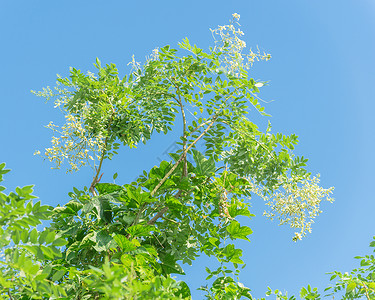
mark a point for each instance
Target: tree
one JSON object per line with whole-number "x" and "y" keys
{"x": 113, "y": 241}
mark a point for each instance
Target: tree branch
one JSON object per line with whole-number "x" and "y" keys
{"x": 10, "y": 295}
{"x": 96, "y": 178}
{"x": 158, "y": 215}
{"x": 256, "y": 141}
{"x": 184, "y": 173}
{"x": 365, "y": 287}
{"x": 165, "y": 209}
{"x": 182, "y": 156}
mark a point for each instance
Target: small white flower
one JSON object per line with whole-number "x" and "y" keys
{"x": 236, "y": 16}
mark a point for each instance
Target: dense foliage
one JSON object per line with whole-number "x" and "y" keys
{"x": 113, "y": 241}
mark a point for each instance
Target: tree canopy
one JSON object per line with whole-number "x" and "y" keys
{"x": 112, "y": 241}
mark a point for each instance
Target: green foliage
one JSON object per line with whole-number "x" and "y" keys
{"x": 358, "y": 284}
{"x": 112, "y": 241}
{"x": 29, "y": 258}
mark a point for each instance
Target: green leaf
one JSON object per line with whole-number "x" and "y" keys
{"x": 203, "y": 167}
{"x": 50, "y": 237}
{"x": 71, "y": 252}
{"x": 103, "y": 241}
{"x": 183, "y": 290}
{"x": 141, "y": 230}
{"x": 124, "y": 243}
{"x": 98, "y": 63}
{"x": 42, "y": 236}
{"x": 101, "y": 206}
{"x": 170, "y": 266}
{"x": 47, "y": 251}
{"x": 74, "y": 205}
{"x": 3, "y": 171}
{"x": 58, "y": 275}
{"x": 107, "y": 188}
{"x": 47, "y": 270}
{"x": 105, "y": 211}
{"x": 350, "y": 287}
{"x": 64, "y": 210}
{"x": 364, "y": 263}
{"x": 238, "y": 232}
{"x": 16, "y": 236}
{"x": 234, "y": 211}
{"x": 24, "y": 236}
{"x": 303, "y": 293}
{"x": 59, "y": 242}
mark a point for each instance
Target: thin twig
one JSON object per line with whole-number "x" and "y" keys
{"x": 169, "y": 220}
{"x": 255, "y": 140}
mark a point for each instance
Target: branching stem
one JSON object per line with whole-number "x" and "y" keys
{"x": 165, "y": 209}
{"x": 96, "y": 178}
{"x": 365, "y": 287}
{"x": 179, "y": 101}
{"x": 256, "y": 141}
{"x": 182, "y": 156}
{"x": 10, "y": 295}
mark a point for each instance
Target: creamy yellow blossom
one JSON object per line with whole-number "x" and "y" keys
{"x": 228, "y": 41}
{"x": 296, "y": 202}
{"x": 236, "y": 16}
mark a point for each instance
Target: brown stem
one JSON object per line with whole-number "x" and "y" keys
{"x": 182, "y": 156}
{"x": 158, "y": 215}
{"x": 165, "y": 209}
{"x": 199, "y": 126}
{"x": 256, "y": 141}
{"x": 96, "y": 178}
{"x": 10, "y": 295}
{"x": 365, "y": 287}
{"x": 184, "y": 173}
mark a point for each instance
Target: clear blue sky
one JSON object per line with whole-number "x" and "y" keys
{"x": 322, "y": 80}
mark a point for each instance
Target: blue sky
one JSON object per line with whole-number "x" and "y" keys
{"x": 322, "y": 82}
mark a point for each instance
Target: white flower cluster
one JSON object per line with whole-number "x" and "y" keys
{"x": 154, "y": 55}
{"x": 74, "y": 141}
{"x": 230, "y": 43}
{"x": 296, "y": 202}
{"x": 73, "y": 145}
